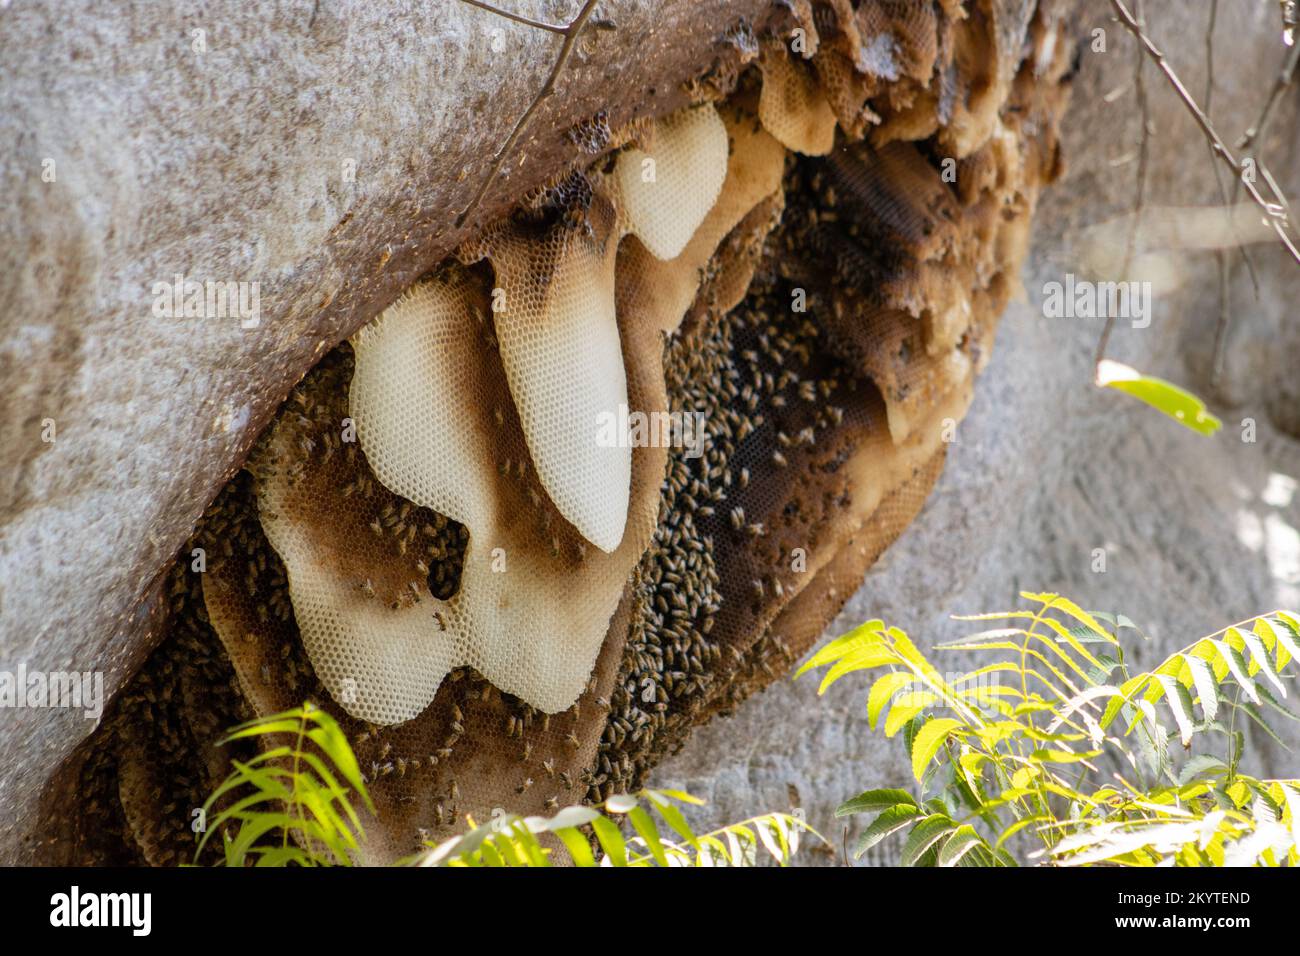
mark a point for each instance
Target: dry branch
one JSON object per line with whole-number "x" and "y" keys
{"x": 1275, "y": 210}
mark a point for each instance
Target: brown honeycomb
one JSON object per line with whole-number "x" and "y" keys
{"x": 825, "y": 319}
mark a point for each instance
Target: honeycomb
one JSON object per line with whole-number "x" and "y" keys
{"x": 503, "y": 611}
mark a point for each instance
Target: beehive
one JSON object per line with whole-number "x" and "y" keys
{"x": 503, "y": 612}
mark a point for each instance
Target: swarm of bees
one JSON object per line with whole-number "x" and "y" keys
{"x": 784, "y": 411}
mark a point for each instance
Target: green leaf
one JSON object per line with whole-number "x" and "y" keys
{"x": 1047, "y": 755}
{"x": 1261, "y": 658}
{"x": 1276, "y": 704}
{"x": 873, "y": 801}
{"x": 681, "y": 796}
{"x": 1119, "y": 621}
{"x": 958, "y": 845}
{"x": 906, "y": 709}
{"x": 1206, "y": 688}
{"x": 290, "y": 795}
{"x": 1086, "y": 635}
{"x": 1291, "y": 795}
{"x": 1288, "y": 633}
{"x": 891, "y": 821}
{"x": 1180, "y": 405}
{"x": 673, "y": 817}
{"x": 1056, "y": 602}
{"x": 883, "y": 691}
{"x": 859, "y": 659}
{"x": 924, "y": 836}
{"x": 611, "y": 840}
{"x": 1024, "y": 776}
{"x": 1201, "y": 765}
{"x": 285, "y": 855}
{"x": 928, "y": 741}
{"x": 1252, "y": 711}
{"x": 578, "y": 846}
{"x": 993, "y": 638}
{"x": 1237, "y": 665}
{"x": 833, "y": 651}
{"x": 1180, "y": 702}
{"x": 1278, "y": 637}
{"x": 773, "y": 840}
{"x": 1126, "y": 691}
{"x": 1021, "y": 824}
{"x": 645, "y": 827}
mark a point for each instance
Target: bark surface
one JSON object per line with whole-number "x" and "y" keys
{"x": 321, "y": 150}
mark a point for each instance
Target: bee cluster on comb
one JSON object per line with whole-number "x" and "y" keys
{"x": 502, "y": 611}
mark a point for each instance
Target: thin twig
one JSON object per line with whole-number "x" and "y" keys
{"x": 518, "y": 18}
{"x": 1256, "y": 134}
{"x": 1284, "y": 79}
{"x": 1278, "y": 195}
{"x": 570, "y": 34}
{"x": 1275, "y": 214}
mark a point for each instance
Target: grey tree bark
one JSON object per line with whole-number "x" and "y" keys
{"x": 1197, "y": 532}
{"x": 322, "y": 150}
